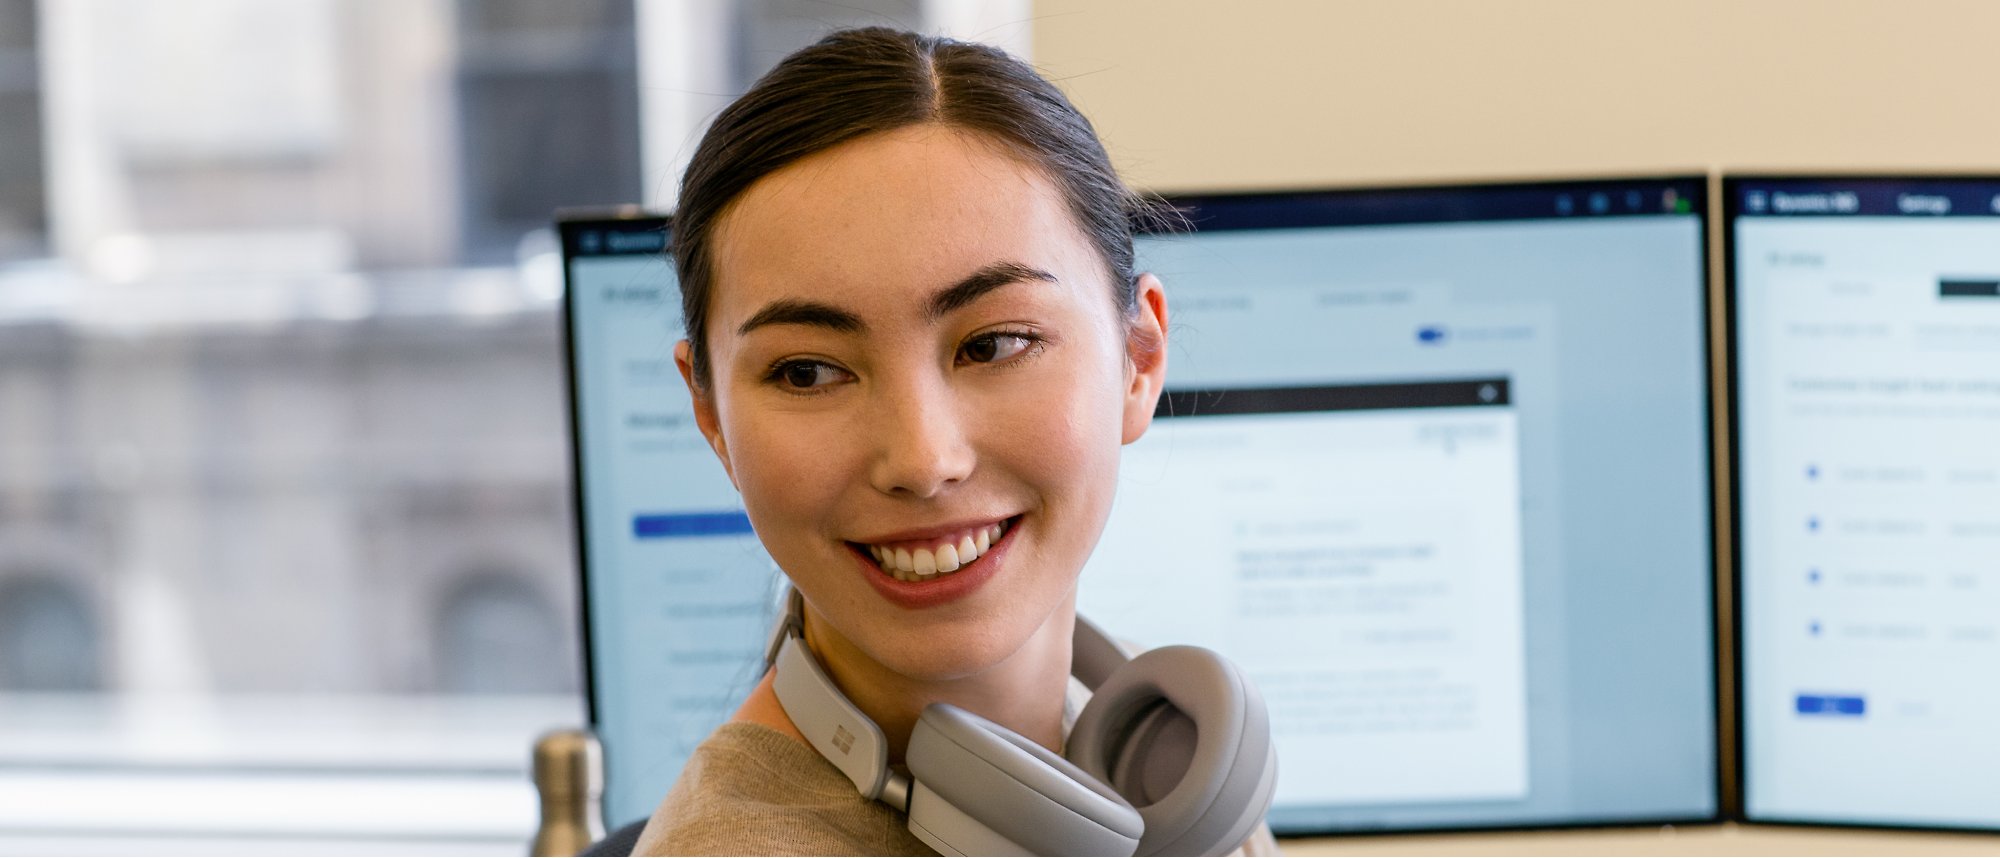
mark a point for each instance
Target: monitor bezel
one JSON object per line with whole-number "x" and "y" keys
{"x": 1298, "y": 202}
{"x": 1730, "y": 208}
{"x": 567, "y": 227}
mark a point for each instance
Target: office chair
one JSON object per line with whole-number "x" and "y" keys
{"x": 618, "y": 843}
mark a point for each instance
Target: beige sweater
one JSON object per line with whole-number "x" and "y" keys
{"x": 750, "y": 790}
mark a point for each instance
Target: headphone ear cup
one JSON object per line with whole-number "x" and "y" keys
{"x": 1184, "y": 736}
{"x": 982, "y": 789}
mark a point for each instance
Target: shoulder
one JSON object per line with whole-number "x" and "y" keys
{"x": 750, "y": 790}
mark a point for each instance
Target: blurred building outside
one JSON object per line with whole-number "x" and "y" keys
{"x": 286, "y": 557}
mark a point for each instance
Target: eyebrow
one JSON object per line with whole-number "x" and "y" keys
{"x": 980, "y": 282}
{"x": 794, "y": 311}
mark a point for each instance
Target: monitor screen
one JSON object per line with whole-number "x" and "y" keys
{"x": 1432, "y": 466}
{"x": 678, "y": 593}
{"x": 1866, "y": 328}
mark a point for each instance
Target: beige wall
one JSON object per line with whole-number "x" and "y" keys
{"x": 1192, "y": 95}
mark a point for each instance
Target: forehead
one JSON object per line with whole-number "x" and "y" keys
{"x": 913, "y": 208}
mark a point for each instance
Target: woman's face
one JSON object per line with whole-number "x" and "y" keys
{"x": 920, "y": 386}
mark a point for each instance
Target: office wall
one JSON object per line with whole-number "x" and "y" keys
{"x": 1252, "y": 93}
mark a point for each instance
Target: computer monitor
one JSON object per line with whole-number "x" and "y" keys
{"x": 1432, "y": 466}
{"x": 1865, "y": 318}
{"x": 1435, "y": 468}
{"x": 677, "y": 592}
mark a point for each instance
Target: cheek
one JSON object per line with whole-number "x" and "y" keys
{"x": 786, "y": 476}
{"x": 1067, "y": 443}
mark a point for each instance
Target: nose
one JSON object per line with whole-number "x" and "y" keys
{"x": 921, "y": 440}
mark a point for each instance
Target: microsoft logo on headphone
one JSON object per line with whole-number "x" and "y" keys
{"x": 842, "y": 739}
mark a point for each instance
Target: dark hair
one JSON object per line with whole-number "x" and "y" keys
{"x": 865, "y": 81}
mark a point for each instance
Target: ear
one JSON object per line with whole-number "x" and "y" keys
{"x": 704, "y": 407}
{"x": 1146, "y": 357}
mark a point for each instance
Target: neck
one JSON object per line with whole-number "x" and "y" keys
{"x": 1023, "y": 692}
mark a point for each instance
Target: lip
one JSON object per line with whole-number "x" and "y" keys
{"x": 932, "y": 533}
{"x": 944, "y": 589}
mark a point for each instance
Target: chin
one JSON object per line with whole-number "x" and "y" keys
{"x": 947, "y": 654}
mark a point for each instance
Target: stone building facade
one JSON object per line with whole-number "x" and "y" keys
{"x": 378, "y": 505}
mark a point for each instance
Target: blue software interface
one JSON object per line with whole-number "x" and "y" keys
{"x": 1433, "y": 466}
{"x": 1867, "y": 333}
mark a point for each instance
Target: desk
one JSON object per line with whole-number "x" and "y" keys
{"x": 1725, "y": 839}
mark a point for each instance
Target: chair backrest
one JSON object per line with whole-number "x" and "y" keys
{"x": 619, "y": 843}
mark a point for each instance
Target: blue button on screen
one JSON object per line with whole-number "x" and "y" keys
{"x": 691, "y": 524}
{"x": 1836, "y": 705}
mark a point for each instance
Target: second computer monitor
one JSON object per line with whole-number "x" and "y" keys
{"x": 1866, "y": 318}
{"x": 1434, "y": 466}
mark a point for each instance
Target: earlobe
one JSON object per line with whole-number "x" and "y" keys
{"x": 1146, "y": 357}
{"x": 705, "y": 417}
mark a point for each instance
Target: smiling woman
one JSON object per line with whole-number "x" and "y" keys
{"x": 916, "y": 343}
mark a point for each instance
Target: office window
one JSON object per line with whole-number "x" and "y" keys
{"x": 285, "y": 537}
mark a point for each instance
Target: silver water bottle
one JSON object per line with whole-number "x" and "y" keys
{"x": 569, "y": 774}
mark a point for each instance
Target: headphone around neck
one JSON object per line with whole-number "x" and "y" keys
{"x": 1172, "y": 756}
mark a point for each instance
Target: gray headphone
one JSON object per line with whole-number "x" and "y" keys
{"x": 1172, "y": 756}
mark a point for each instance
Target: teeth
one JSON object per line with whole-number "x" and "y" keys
{"x": 923, "y": 564}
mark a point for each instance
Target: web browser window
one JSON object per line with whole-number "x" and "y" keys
{"x": 1432, "y": 466}
{"x": 1359, "y": 548}
{"x": 1867, "y": 333}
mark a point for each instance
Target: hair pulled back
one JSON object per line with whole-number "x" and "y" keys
{"x": 866, "y": 81}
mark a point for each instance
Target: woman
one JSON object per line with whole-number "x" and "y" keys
{"x": 916, "y": 343}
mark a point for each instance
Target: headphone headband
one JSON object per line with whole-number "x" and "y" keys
{"x": 791, "y": 623}
{"x": 1183, "y": 734}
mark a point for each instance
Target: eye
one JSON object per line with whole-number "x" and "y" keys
{"x": 995, "y": 347}
{"x": 805, "y": 375}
